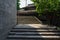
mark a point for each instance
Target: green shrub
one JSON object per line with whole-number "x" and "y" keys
{"x": 18, "y": 4}
{"x": 46, "y": 5}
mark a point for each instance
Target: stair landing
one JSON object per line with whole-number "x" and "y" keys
{"x": 28, "y": 20}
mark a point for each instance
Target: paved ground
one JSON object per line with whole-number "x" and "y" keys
{"x": 28, "y": 20}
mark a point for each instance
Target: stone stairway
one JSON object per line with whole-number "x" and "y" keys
{"x": 29, "y": 32}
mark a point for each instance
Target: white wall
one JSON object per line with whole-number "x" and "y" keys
{"x": 23, "y": 3}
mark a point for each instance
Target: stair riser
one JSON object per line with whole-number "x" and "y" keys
{"x": 35, "y": 31}
{"x": 36, "y": 34}
{"x": 34, "y": 28}
{"x": 33, "y": 38}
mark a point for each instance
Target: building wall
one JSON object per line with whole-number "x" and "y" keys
{"x": 25, "y": 3}
{"x": 7, "y": 16}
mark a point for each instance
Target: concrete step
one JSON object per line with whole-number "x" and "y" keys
{"x": 36, "y": 28}
{"x": 21, "y": 27}
{"x": 36, "y": 39}
{"x": 33, "y": 33}
{"x": 40, "y": 36}
{"x": 31, "y": 37}
{"x": 33, "y": 30}
{"x": 36, "y": 34}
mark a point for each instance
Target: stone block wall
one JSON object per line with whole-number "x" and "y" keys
{"x": 8, "y": 17}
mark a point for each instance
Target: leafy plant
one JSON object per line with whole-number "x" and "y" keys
{"x": 46, "y": 5}
{"x": 18, "y": 4}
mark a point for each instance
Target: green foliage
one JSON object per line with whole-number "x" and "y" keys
{"x": 46, "y": 5}
{"x": 18, "y": 4}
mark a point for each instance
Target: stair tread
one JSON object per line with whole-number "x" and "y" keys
{"x": 34, "y": 36}
{"x": 32, "y": 30}
{"x": 32, "y": 27}
{"x": 34, "y": 33}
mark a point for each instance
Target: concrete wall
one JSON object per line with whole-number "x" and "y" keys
{"x": 7, "y": 16}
